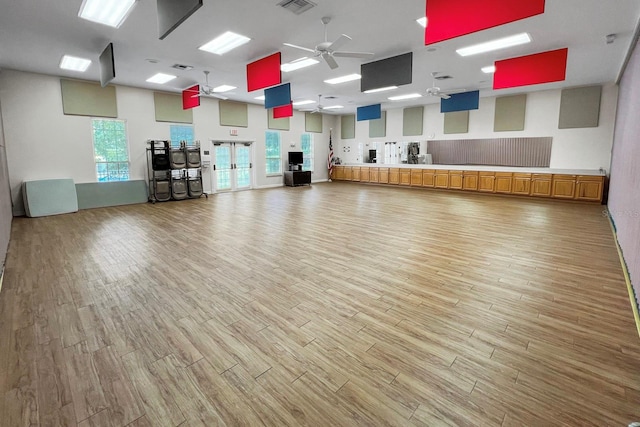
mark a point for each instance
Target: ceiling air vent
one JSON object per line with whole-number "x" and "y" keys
{"x": 443, "y": 77}
{"x": 182, "y": 67}
{"x": 297, "y": 6}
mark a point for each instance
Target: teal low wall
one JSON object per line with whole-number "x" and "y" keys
{"x": 104, "y": 194}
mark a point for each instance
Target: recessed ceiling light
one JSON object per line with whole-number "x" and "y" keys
{"x": 333, "y": 107}
{"x": 381, "y": 89}
{"x": 489, "y": 69}
{"x": 298, "y": 63}
{"x": 106, "y": 12}
{"x": 223, "y": 88}
{"x": 305, "y": 102}
{"x": 402, "y": 97}
{"x": 422, "y": 21}
{"x": 74, "y": 63}
{"x": 344, "y": 79}
{"x": 260, "y": 98}
{"x": 224, "y": 43}
{"x": 161, "y": 78}
{"x": 492, "y": 45}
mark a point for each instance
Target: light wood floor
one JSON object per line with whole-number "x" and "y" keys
{"x": 329, "y": 305}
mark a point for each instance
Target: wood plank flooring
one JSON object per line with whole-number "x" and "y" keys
{"x": 331, "y": 305}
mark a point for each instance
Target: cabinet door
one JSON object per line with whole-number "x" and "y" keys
{"x": 455, "y": 180}
{"x": 348, "y": 173}
{"x": 521, "y": 183}
{"x": 589, "y": 188}
{"x": 394, "y": 176}
{"x": 355, "y": 173}
{"x": 364, "y": 174}
{"x": 383, "y": 176}
{"x": 416, "y": 177}
{"x": 373, "y": 175}
{"x": 339, "y": 173}
{"x": 405, "y": 176}
{"x": 486, "y": 182}
{"x": 503, "y": 182}
{"x": 442, "y": 179}
{"x": 541, "y": 185}
{"x": 470, "y": 181}
{"x": 564, "y": 186}
{"x": 428, "y": 178}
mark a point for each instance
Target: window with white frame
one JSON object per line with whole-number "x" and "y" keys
{"x": 273, "y": 153}
{"x": 180, "y": 133}
{"x": 306, "y": 142}
{"x": 111, "y": 150}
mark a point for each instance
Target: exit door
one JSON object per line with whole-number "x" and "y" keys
{"x": 232, "y": 166}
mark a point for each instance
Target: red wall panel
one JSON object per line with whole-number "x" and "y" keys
{"x": 448, "y": 19}
{"x": 264, "y": 72}
{"x": 189, "y": 100}
{"x": 282, "y": 112}
{"x": 545, "y": 67}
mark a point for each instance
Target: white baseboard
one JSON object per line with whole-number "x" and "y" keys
{"x": 1, "y": 276}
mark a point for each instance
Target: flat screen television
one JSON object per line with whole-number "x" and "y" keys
{"x": 295, "y": 158}
{"x": 107, "y": 65}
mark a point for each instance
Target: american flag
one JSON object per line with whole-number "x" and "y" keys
{"x": 330, "y": 158}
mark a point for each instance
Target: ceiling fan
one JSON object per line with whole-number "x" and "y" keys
{"x": 206, "y": 90}
{"x": 318, "y": 109}
{"x": 329, "y": 50}
{"x": 436, "y": 91}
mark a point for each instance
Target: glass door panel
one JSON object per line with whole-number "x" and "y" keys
{"x": 243, "y": 166}
{"x": 223, "y": 167}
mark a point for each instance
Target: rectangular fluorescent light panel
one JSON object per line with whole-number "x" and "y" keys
{"x": 305, "y": 102}
{"x": 489, "y": 69}
{"x": 225, "y": 43}
{"x": 223, "y": 88}
{"x": 333, "y": 107}
{"x": 402, "y": 97}
{"x": 492, "y": 45}
{"x": 74, "y": 63}
{"x": 259, "y": 98}
{"x": 297, "y": 64}
{"x": 382, "y": 89}
{"x": 344, "y": 79}
{"x": 106, "y": 12}
{"x": 422, "y": 21}
{"x": 161, "y": 78}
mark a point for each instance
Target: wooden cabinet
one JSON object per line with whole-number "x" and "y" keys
{"x": 373, "y": 175}
{"x": 348, "y": 173}
{"x": 503, "y": 182}
{"x": 338, "y": 172}
{"x": 428, "y": 178}
{"x": 564, "y": 186}
{"x": 521, "y": 184}
{"x": 441, "y": 179}
{"x": 541, "y": 185}
{"x": 589, "y": 188}
{"x": 416, "y": 177}
{"x": 355, "y": 173}
{"x": 364, "y": 174}
{"x": 470, "y": 180}
{"x": 487, "y": 181}
{"x": 383, "y": 175}
{"x": 405, "y": 176}
{"x": 394, "y": 176}
{"x": 455, "y": 180}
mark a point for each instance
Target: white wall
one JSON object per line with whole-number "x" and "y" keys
{"x": 43, "y": 143}
{"x": 5, "y": 200}
{"x": 588, "y": 148}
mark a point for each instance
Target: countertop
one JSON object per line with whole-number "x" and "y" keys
{"x": 482, "y": 168}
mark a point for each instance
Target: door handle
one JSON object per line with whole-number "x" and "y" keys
{"x": 214, "y": 167}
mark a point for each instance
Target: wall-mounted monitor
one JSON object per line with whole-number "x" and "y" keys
{"x": 107, "y": 65}
{"x": 394, "y": 71}
{"x": 295, "y": 158}
{"x": 172, "y": 13}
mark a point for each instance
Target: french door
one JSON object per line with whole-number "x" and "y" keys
{"x": 232, "y": 166}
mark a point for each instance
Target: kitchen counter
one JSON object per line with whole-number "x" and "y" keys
{"x": 482, "y": 168}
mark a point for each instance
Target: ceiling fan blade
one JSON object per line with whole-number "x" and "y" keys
{"x": 444, "y": 96}
{"x": 330, "y": 61}
{"x": 363, "y": 55}
{"x": 299, "y": 47}
{"x": 341, "y": 41}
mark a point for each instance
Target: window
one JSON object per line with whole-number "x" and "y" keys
{"x": 306, "y": 142}
{"x": 180, "y": 133}
{"x": 273, "y": 153}
{"x": 110, "y": 149}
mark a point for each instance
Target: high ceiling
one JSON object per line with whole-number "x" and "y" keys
{"x": 34, "y": 35}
